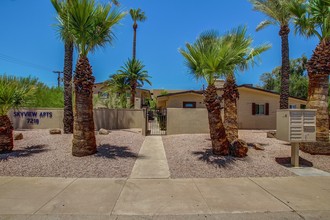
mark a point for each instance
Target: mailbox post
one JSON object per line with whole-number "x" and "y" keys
{"x": 295, "y": 126}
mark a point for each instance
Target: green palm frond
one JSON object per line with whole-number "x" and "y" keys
{"x": 15, "y": 92}
{"x": 137, "y": 15}
{"x": 312, "y": 18}
{"x": 91, "y": 24}
{"x": 62, "y": 7}
{"x": 133, "y": 71}
{"x": 264, "y": 24}
{"x": 276, "y": 10}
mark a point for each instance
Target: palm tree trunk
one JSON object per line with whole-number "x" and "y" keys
{"x": 230, "y": 96}
{"x": 68, "y": 111}
{"x": 133, "y": 91}
{"x": 83, "y": 142}
{"x": 220, "y": 144}
{"x": 134, "y": 39}
{"x": 6, "y": 134}
{"x": 318, "y": 99}
{"x": 318, "y": 71}
{"x": 285, "y": 70}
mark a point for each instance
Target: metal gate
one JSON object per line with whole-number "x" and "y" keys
{"x": 157, "y": 120}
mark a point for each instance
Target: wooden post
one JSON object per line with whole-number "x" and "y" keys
{"x": 295, "y": 154}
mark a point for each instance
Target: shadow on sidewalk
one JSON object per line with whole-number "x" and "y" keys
{"x": 286, "y": 161}
{"x": 25, "y": 152}
{"x": 208, "y": 157}
{"x": 113, "y": 152}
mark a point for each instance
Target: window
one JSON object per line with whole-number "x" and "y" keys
{"x": 292, "y": 106}
{"x": 260, "y": 109}
{"x": 189, "y": 104}
{"x": 302, "y": 106}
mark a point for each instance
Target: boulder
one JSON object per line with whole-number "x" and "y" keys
{"x": 257, "y": 146}
{"x": 238, "y": 148}
{"x": 271, "y": 134}
{"x": 103, "y": 131}
{"x": 55, "y": 131}
{"x": 18, "y": 136}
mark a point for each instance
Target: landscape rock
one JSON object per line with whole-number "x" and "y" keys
{"x": 271, "y": 134}
{"x": 238, "y": 148}
{"x": 103, "y": 131}
{"x": 18, "y": 136}
{"x": 257, "y": 146}
{"x": 55, "y": 131}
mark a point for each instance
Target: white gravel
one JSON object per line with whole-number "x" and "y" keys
{"x": 190, "y": 156}
{"x": 45, "y": 155}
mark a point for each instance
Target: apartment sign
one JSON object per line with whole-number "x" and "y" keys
{"x": 33, "y": 117}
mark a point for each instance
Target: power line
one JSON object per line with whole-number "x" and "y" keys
{"x": 23, "y": 63}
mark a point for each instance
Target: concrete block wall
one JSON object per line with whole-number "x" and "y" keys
{"x": 46, "y": 118}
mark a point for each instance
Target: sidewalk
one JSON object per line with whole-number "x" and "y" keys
{"x": 150, "y": 194}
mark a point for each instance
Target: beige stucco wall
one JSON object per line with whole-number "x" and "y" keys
{"x": 53, "y": 118}
{"x": 248, "y": 121}
{"x": 177, "y": 100}
{"x": 245, "y": 118}
{"x": 187, "y": 121}
{"x": 33, "y": 118}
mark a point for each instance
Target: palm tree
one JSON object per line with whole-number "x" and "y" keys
{"x": 312, "y": 19}
{"x": 134, "y": 74}
{"x": 278, "y": 12}
{"x": 61, "y": 8}
{"x": 117, "y": 84}
{"x": 91, "y": 27}
{"x": 137, "y": 15}
{"x": 207, "y": 59}
{"x": 14, "y": 92}
{"x": 245, "y": 55}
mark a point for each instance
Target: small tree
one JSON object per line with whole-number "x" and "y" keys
{"x": 135, "y": 75}
{"x": 14, "y": 93}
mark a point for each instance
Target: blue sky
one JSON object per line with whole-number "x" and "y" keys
{"x": 29, "y": 39}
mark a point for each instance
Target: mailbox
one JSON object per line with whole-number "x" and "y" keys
{"x": 296, "y": 125}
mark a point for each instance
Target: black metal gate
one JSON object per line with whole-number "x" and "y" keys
{"x": 157, "y": 120}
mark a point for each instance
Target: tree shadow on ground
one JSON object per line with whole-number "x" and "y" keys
{"x": 286, "y": 161}
{"x": 113, "y": 152}
{"x": 220, "y": 161}
{"x": 250, "y": 144}
{"x": 25, "y": 152}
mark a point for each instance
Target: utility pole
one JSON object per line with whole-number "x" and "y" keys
{"x": 58, "y": 77}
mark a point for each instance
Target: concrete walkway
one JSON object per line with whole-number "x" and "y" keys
{"x": 150, "y": 194}
{"x": 237, "y": 198}
{"x": 152, "y": 162}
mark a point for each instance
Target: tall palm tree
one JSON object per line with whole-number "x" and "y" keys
{"x": 90, "y": 25}
{"x": 312, "y": 19}
{"x": 61, "y": 8}
{"x": 117, "y": 84}
{"x": 207, "y": 59}
{"x": 135, "y": 75}
{"x": 14, "y": 92}
{"x": 278, "y": 13}
{"x": 245, "y": 55}
{"x": 136, "y": 15}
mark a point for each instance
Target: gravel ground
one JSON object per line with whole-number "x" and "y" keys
{"x": 190, "y": 156}
{"x": 45, "y": 155}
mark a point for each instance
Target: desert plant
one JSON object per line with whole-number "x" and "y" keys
{"x": 14, "y": 92}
